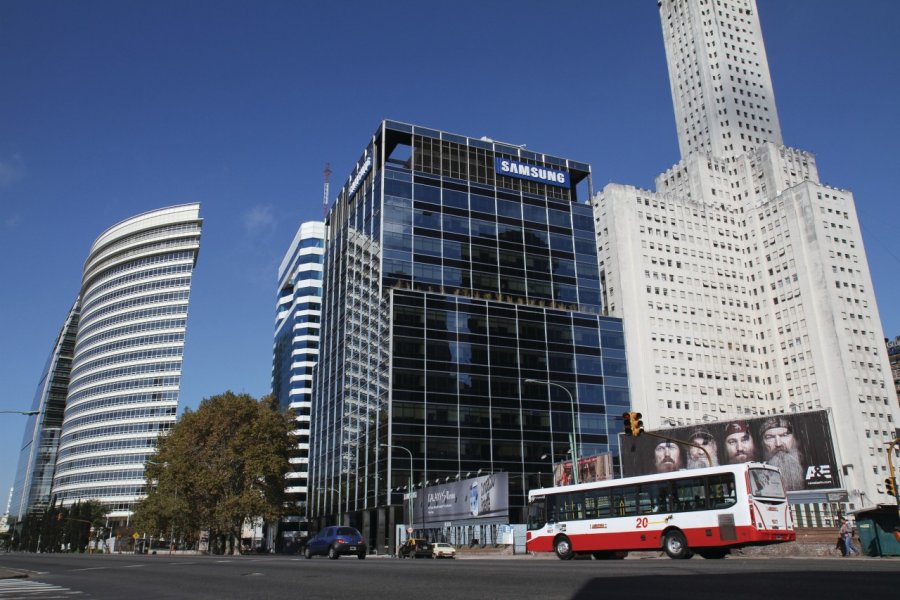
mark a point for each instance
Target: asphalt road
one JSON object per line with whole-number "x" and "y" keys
{"x": 117, "y": 577}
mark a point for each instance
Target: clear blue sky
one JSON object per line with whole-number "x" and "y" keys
{"x": 109, "y": 109}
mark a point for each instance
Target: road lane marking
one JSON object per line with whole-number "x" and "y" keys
{"x": 15, "y": 588}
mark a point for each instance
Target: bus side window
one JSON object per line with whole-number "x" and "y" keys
{"x": 691, "y": 494}
{"x": 721, "y": 490}
{"x": 604, "y": 510}
{"x": 646, "y": 502}
{"x": 629, "y": 501}
{"x": 573, "y": 507}
{"x": 590, "y": 505}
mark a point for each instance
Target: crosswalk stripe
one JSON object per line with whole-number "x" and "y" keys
{"x": 18, "y": 588}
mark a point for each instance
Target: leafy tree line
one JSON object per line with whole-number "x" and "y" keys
{"x": 217, "y": 467}
{"x": 58, "y": 529}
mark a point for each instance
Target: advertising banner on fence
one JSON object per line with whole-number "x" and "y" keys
{"x": 478, "y": 498}
{"x": 799, "y": 444}
{"x": 590, "y": 468}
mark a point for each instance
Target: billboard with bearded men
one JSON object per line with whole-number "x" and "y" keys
{"x": 799, "y": 444}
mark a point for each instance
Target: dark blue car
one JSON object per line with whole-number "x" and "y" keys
{"x": 335, "y": 541}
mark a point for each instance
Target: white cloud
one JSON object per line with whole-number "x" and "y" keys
{"x": 11, "y": 170}
{"x": 259, "y": 218}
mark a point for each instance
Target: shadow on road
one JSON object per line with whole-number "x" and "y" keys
{"x": 795, "y": 585}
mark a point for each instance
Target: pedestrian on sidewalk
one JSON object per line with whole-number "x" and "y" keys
{"x": 847, "y": 537}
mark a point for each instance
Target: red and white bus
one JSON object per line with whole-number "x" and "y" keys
{"x": 707, "y": 511}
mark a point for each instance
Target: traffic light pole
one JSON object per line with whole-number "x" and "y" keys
{"x": 573, "y": 437}
{"x": 90, "y": 531}
{"x": 574, "y": 459}
{"x": 893, "y": 444}
{"x": 409, "y": 490}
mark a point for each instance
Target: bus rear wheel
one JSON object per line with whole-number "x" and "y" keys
{"x": 563, "y": 548}
{"x": 675, "y": 545}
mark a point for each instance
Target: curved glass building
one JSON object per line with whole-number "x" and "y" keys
{"x": 37, "y": 457}
{"x": 126, "y": 369}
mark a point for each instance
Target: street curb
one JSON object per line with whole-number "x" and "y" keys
{"x": 6, "y": 573}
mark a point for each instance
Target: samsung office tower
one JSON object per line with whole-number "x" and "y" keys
{"x": 456, "y": 268}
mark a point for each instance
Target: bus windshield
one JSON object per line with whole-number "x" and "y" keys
{"x": 766, "y": 483}
{"x": 537, "y": 514}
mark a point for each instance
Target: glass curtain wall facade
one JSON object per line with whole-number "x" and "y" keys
{"x": 37, "y": 458}
{"x": 126, "y": 370}
{"x": 447, "y": 283}
{"x": 295, "y": 353}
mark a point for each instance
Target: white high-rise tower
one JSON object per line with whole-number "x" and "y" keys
{"x": 295, "y": 353}
{"x": 719, "y": 75}
{"x": 742, "y": 279}
{"x": 125, "y": 378}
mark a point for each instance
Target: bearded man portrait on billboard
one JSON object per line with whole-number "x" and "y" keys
{"x": 739, "y": 444}
{"x": 697, "y": 458}
{"x": 780, "y": 449}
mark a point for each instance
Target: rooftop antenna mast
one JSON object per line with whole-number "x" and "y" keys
{"x": 327, "y": 175}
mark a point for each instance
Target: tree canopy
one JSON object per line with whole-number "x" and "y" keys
{"x": 218, "y": 466}
{"x": 60, "y": 529}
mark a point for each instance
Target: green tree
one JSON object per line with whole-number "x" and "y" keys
{"x": 72, "y": 525}
{"x": 218, "y": 466}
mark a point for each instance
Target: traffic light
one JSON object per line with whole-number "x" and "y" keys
{"x": 633, "y": 424}
{"x": 637, "y": 426}
{"x": 890, "y": 485}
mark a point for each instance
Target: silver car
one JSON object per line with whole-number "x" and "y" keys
{"x": 442, "y": 550}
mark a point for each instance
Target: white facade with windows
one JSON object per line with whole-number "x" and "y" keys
{"x": 126, "y": 371}
{"x": 742, "y": 279}
{"x": 719, "y": 76}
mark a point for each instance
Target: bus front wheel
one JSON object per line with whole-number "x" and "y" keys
{"x": 563, "y": 548}
{"x": 675, "y": 545}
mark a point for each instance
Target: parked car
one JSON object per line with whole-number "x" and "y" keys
{"x": 416, "y": 548}
{"x": 335, "y": 541}
{"x": 442, "y": 550}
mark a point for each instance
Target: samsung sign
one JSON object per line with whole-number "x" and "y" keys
{"x": 512, "y": 168}
{"x": 360, "y": 175}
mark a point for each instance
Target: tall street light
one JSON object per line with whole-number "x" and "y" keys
{"x": 27, "y": 413}
{"x": 408, "y": 487}
{"x": 572, "y": 436}
{"x": 552, "y": 472}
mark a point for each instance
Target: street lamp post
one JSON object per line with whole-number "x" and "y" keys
{"x": 27, "y": 413}
{"x": 424, "y": 500}
{"x": 573, "y": 436}
{"x": 552, "y": 473}
{"x": 409, "y": 486}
